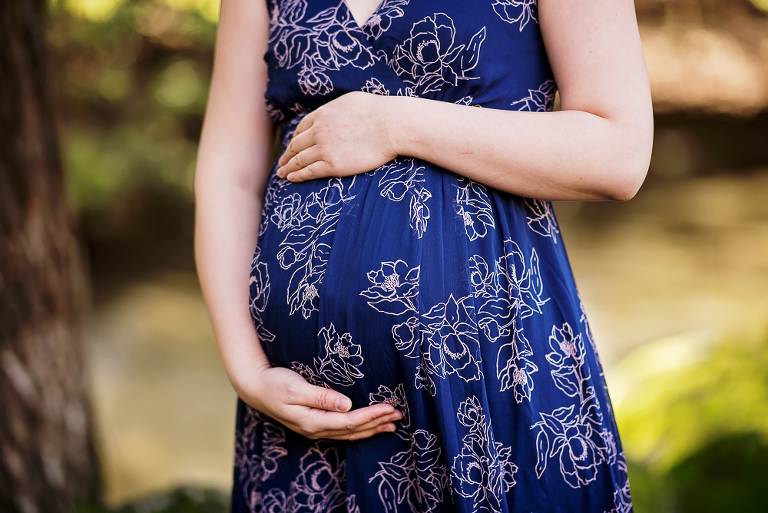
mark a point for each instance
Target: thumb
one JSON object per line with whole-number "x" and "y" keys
{"x": 327, "y": 399}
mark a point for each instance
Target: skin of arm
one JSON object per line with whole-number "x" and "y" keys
{"x": 232, "y": 169}
{"x": 597, "y": 147}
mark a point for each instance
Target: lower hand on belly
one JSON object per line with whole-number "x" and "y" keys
{"x": 313, "y": 411}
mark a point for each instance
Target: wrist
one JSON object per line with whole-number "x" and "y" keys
{"x": 246, "y": 376}
{"x": 395, "y": 117}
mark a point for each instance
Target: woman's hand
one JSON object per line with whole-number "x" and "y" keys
{"x": 312, "y": 411}
{"x": 346, "y": 136}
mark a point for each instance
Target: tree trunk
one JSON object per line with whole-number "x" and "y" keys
{"x": 47, "y": 457}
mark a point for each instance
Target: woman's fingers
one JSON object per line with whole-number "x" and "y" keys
{"x": 351, "y": 421}
{"x": 375, "y": 423}
{"x": 357, "y": 435}
{"x": 309, "y": 157}
{"x": 302, "y": 393}
{"x": 305, "y": 123}
{"x": 298, "y": 143}
{"x": 319, "y": 412}
{"x": 317, "y": 169}
{"x": 316, "y": 423}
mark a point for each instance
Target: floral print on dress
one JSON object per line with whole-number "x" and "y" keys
{"x": 588, "y": 333}
{"x": 573, "y": 434}
{"x": 430, "y": 59}
{"x": 273, "y": 112}
{"x": 416, "y": 477}
{"x": 375, "y": 86}
{"x": 540, "y": 217}
{"x": 396, "y": 398}
{"x": 483, "y": 470}
{"x": 516, "y": 11}
{"x": 622, "y": 499}
{"x": 405, "y": 177}
{"x": 508, "y": 293}
{"x": 319, "y": 487}
{"x": 259, "y": 294}
{"x": 473, "y": 208}
{"x": 339, "y": 361}
{"x": 254, "y": 467}
{"x": 444, "y": 339}
{"x": 272, "y": 194}
{"x": 309, "y": 223}
{"x": 520, "y": 280}
{"x": 381, "y": 19}
{"x": 541, "y": 99}
{"x": 325, "y": 42}
{"x": 394, "y": 288}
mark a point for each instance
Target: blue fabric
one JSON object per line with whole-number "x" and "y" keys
{"x": 412, "y": 285}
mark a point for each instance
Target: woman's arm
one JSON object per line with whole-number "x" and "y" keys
{"x": 232, "y": 169}
{"x": 597, "y": 147}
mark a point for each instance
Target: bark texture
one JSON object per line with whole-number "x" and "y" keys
{"x": 47, "y": 457}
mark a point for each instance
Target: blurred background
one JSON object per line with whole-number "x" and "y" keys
{"x": 675, "y": 282}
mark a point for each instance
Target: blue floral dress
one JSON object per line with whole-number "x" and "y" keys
{"x": 415, "y": 286}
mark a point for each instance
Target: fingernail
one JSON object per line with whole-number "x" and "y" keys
{"x": 343, "y": 404}
{"x": 390, "y": 428}
{"x": 289, "y": 176}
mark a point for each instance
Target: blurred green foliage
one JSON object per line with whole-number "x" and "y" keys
{"x": 132, "y": 79}
{"x": 693, "y": 416}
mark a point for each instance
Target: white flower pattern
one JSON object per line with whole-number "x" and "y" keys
{"x": 509, "y": 292}
{"x": 339, "y": 361}
{"x": 259, "y": 294}
{"x": 309, "y": 223}
{"x": 319, "y": 486}
{"x": 416, "y": 477}
{"x": 323, "y": 43}
{"x": 541, "y": 99}
{"x": 573, "y": 434}
{"x": 256, "y": 466}
{"x": 516, "y": 11}
{"x": 382, "y": 18}
{"x": 540, "y": 217}
{"x": 622, "y": 499}
{"x": 429, "y": 59}
{"x": 444, "y": 339}
{"x": 405, "y": 177}
{"x": 483, "y": 470}
{"x": 473, "y": 208}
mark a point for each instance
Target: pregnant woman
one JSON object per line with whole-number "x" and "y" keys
{"x": 389, "y": 290}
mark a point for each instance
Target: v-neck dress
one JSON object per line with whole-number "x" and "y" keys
{"x": 412, "y": 285}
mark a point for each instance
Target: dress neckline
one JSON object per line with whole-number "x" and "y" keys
{"x": 370, "y": 18}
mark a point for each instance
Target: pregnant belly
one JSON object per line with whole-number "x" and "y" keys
{"x": 319, "y": 242}
{"x": 350, "y": 272}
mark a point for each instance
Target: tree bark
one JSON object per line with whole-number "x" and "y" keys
{"x": 47, "y": 456}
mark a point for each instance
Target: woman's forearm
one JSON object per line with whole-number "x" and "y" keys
{"x": 564, "y": 155}
{"x": 228, "y": 185}
{"x": 226, "y": 229}
{"x": 232, "y": 168}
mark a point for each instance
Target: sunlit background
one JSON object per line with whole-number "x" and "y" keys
{"x": 675, "y": 282}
